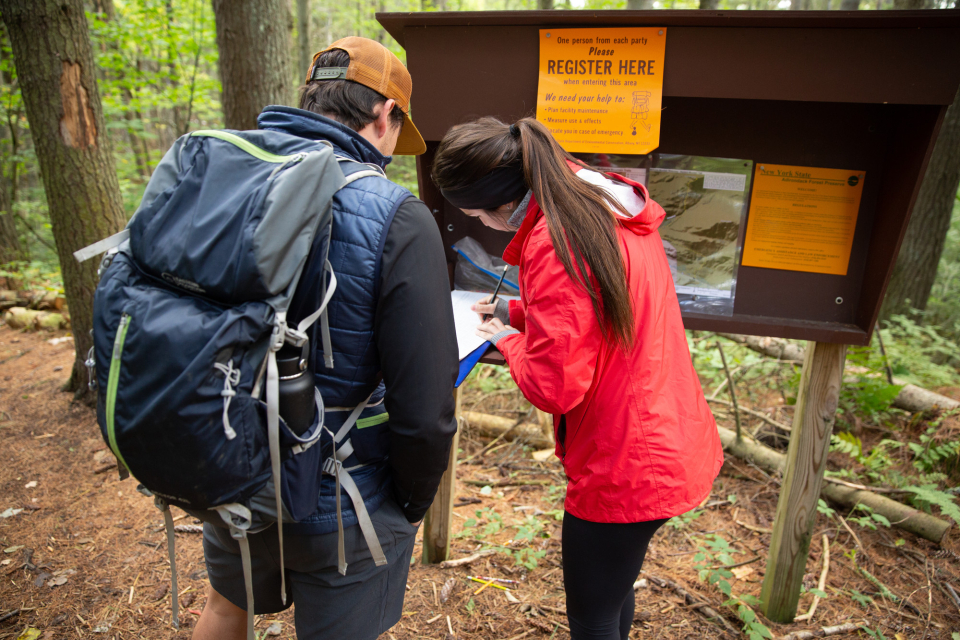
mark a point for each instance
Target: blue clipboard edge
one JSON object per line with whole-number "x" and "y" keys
{"x": 468, "y": 363}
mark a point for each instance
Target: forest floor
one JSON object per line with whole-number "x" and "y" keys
{"x": 86, "y": 556}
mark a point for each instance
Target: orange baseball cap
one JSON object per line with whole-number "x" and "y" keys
{"x": 375, "y": 66}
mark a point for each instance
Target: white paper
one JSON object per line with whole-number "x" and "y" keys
{"x": 467, "y": 319}
{"x": 724, "y": 181}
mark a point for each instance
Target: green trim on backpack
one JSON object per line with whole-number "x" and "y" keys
{"x": 247, "y": 146}
{"x": 373, "y": 421}
{"x": 113, "y": 382}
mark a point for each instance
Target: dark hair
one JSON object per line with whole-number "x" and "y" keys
{"x": 349, "y": 103}
{"x": 578, "y": 213}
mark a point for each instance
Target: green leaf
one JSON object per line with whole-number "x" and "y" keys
{"x": 751, "y": 600}
{"x": 819, "y": 593}
{"x": 746, "y": 614}
{"x": 724, "y": 587}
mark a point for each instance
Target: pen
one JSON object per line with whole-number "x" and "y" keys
{"x": 493, "y": 298}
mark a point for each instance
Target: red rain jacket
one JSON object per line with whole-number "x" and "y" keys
{"x": 640, "y": 442}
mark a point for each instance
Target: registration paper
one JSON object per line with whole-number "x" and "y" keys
{"x": 600, "y": 89}
{"x": 802, "y": 218}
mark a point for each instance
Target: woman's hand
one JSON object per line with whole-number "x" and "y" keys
{"x": 484, "y": 307}
{"x": 491, "y": 328}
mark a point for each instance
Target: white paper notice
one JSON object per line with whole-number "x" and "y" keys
{"x": 724, "y": 181}
{"x": 466, "y": 320}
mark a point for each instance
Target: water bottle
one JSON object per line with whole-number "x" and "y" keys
{"x": 297, "y": 404}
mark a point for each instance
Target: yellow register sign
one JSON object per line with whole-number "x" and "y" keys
{"x": 802, "y": 218}
{"x": 600, "y": 89}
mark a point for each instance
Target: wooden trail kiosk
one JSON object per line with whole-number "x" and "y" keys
{"x": 864, "y": 92}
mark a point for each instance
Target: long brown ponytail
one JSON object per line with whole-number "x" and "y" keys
{"x": 578, "y": 213}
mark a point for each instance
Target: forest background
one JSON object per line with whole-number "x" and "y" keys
{"x": 158, "y": 73}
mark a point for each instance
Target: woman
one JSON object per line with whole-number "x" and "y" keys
{"x": 597, "y": 340}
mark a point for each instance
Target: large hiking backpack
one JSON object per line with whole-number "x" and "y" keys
{"x": 189, "y": 315}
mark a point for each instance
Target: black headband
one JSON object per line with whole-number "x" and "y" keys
{"x": 499, "y": 187}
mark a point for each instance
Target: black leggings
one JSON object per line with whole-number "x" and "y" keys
{"x": 601, "y": 561}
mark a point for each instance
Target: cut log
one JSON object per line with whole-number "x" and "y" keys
{"x": 494, "y": 426}
{"x": 911, "y": 397}
{"x": 899, "y": 514}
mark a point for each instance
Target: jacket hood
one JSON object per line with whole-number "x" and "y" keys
{"x": 312, "y": 126}
{"x": 645, "y": 222}
{"x": 649, "y": 218}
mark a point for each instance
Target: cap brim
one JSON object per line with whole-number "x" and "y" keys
{"x": 410, "y": 142}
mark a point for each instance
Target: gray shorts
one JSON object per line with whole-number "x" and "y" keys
{"x": 360, "y": 605}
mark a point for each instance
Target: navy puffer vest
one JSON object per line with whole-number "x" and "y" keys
{"x": 362, "y": 213}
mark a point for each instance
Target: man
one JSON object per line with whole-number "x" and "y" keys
{"x": 390, "y": 319}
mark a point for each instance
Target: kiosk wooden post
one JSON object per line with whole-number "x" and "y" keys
{"x": 806, "y": 461}
{"x": 436, "y": 523}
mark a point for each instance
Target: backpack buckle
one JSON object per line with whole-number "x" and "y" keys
{"x": 331, "y": 466}
{"x": 295, "y": 337}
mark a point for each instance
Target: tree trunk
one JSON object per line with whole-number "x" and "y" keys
{"x": 303, "y": 37}
{"x": 11, "y": 248}
{"x": 911, "y": 4}
{"x": 639, "y": 5}
{"x": 254, "y": 58}
{"x": 547, "y": 5}
{"x": 849, "y": 5}
{"x": 51, "y": 48}
{"x": 916, "y": 266}
{"x": 710, "y": 5}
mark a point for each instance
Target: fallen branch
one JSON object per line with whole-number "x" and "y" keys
{"x": 900, "y": 515}
{"x": 825, "y": 550}
{"x": 753, "y": 528}
{"x": 911, "y": 397}
{"x": 495, "y": 427}
{"x": 823, "y": 632}
{"x": 508, "y": 483}
{"x": 708, "y": 612}
{"x": 460, "y": 562}
{"x": 730, "y": 386}
{"x": 755, "y": 414}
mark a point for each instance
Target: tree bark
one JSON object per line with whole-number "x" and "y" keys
{"x": 911, "y": 4}
{"x": 51, "y": 48}
{"x": 709, "y": 5}
{"x": 639, "y": 5}
{"x": 253, "y": 41}
{"x": 916, "y": 266}
{"x": 303, "y": 37}
{"x": 547, "y": 5}
{"x": 849, "y": 5}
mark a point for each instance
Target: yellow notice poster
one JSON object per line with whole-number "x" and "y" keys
{"x": 600, "y": 89}
{"x": 802, "y": 218}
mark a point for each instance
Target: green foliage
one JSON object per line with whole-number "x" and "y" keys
{"x": 861, "y": 599}
{"x": 925, "y": 496}
{"x": 933, "y": 453}
{"x": 681, "y": 521}
{"x": 33, "y": 275}
{"x": 877, "y": 634}
{"x": 824, "y": 508}
{"x": 490, "y": 377}
{"x": 711, "y": 562}
{"x": 943, "y": 307}
{"x": 920, "y": 353}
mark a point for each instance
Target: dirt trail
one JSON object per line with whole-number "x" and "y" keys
{"x": 86, "y": 555}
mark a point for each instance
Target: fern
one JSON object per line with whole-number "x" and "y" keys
{"x": 928, "y": 494}
{"x": 846, "y": 442}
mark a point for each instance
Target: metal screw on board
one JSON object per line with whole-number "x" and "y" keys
{"x": 839, "y": 300}
{"x": 449, "y": 227}
{"x": 660, "y": 33}
{"x": 548, "y": 34}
